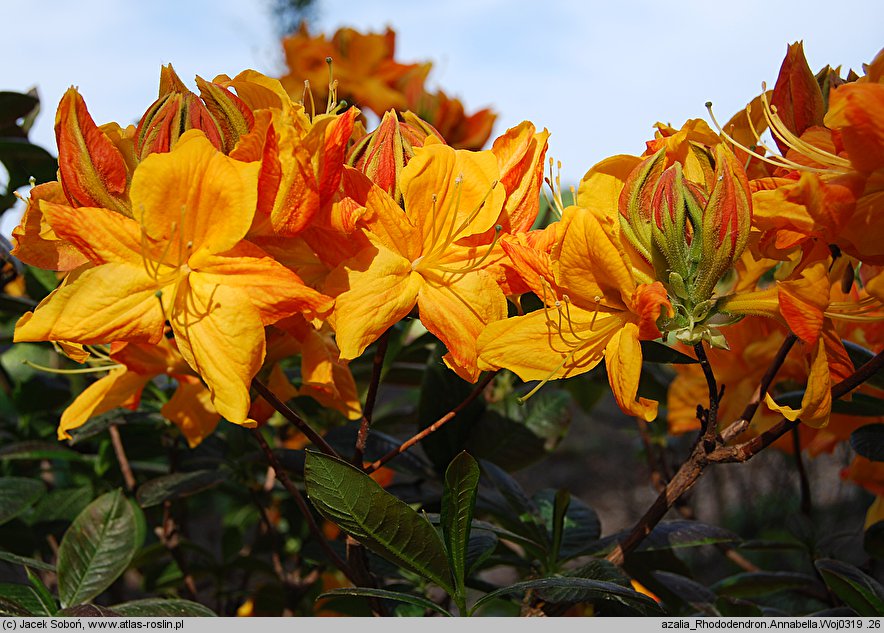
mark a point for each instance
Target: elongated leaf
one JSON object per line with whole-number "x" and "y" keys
{"x": 685, "y": 590}
{"x": 860, "y": 356}
{"x": 398, "y": 596}
{"x": 581, "y": 524}
{"x": 47, "y": 602}
{"x": 481, "y": 546}
{"x": 578, "y": 589}
{"x": 752, "y": 584}
{"x": 158, "y": 607}
{"x": 26, "y": 597}
{"x": 33, "y": 563}
{"x": 668, "y": 535}
{"x": 17, "y": 494}
{"x": 12, "y": 608}
{"x": 502, "y": 496}
{"x": 63, "y": 504}
{"x": 88, "y": 611}
{"x": 860, "y": 592}
{"x": 177, "y": 485}
{"x": 458, "y": 503}
{"x": 96, "y": 549}
{"x": 868, "y": 441}
{"x": 656, "y": 352}
{"x": 860, "y": 404}
{"x": 353, "y": 501}
{"x": 39, "y": 450}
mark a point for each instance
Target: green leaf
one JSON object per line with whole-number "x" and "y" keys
{"x": 96, "y": 549}
{"x": 754, "y": 584}
{"x": 177, "y": 485}
{"x": 441, "y": 391}
{"x": 88, "y": 611}
{"x": 162, "y": 608}
{"x": 398, "y": 596}
{"x": 668, "y": 535}
{"x": 683, "y": 590}
{"x": 33, "y": 563}
{"x": 481, "y": 546}
{"x": 26, "y": 597}
{"x": 458, "y": 503}
{"x": 577, "y": 590}
{"x": 503, "y": 497}
{"x": 656, "y": 352}
{"x": 860, "y": 592}
{"x": 12, "y": 608}
{"x": 581, "y": 524}
{"x": 63, "y": 504}
{"x": 353, "y": 501}
{"x": 860, "y": 404}
{"x": 47, "y": 602}
{"x": 39, "y": 451}
{"x": 17, "y": 494}
{"x": 868, "y": 441}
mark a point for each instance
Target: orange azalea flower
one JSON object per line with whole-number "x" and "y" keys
{"x": 414, "y": 259}
{"x": 190, "y": 408}
{"x": 182, "y": 260}
{"x": 597, "y": 308}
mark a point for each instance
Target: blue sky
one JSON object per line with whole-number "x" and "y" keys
{"x": 597, "y": 75}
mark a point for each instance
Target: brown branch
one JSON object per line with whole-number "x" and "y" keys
{"x": 298, "y": 498}
{"x": 122, "y": 460}
{"x": 709, "y": 419}
{"x": 294, "y": 418}
{"x": 170, "y": 537}
{"x": 370, "y": 396}
{"x": 699, "y": 459}
{"x": 435, "y": 426}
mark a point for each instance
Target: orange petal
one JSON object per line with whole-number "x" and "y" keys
{"x": 119, "y": 388}
{"x": 190, "y": 409}
{"x": 36, "y": 243}
{"x": 623, "y": 360}
{"x": 816, "y": 405}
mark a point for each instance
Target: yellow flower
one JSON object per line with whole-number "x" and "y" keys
{"x": 595, "y": 307}
{"x": 181, "y": 260}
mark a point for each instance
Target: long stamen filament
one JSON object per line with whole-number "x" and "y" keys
{"x": 82, "y": 370}
{"x": 477, "y": 263}
{"x": 524, "y": 399}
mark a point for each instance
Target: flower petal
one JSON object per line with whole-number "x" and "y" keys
{"x": 119, "y": 388}
{"x": 623, "y": 360}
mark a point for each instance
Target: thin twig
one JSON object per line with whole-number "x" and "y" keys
{"x": 120, "y": 452}
{"x": 370, "y": 396}
{"x": 806, "y": 503}
{"x": 170, "y": 537}
{"x": 298, "y": 498}
{"x": 435, "y": 426}
{"x": 709, "y": 421}
{"x": 699, "y": 459}
{"x": 294, "y": 418}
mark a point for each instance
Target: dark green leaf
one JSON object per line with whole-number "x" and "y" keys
{"x": 684, "y": 590}
{"x": 17, "y": 494}
{"x": 47, "y": 602}
{"x": 353, "y": 501}
{"x": 26, "y": 597}
{"x": 860, "y": 404}
{"x": 96, "y": 549}
{"x": 63, "y": 504}
{"x": 508, "y": 443}
{"x": 733, "y": 608}
{"x": 39, "y": 450}
{"x": 669, "y": 535}
{"x": 581, "y": 524}
{"x": 441, "y": 391}
{"x": 177, "y": 485}
{"x": 567, "y": 589}
{"x": 868, "y": 441}
{"x": 33, "y": 563}
{"x": 88, "y": 611}
{"x": 12, "y": 608}
{"x": 860, "y": 592}
{"x": 501, "y": 496}
{"x": 458, "y": 503}
{"x": 481, "y": 546}
{"x": 860, "y": 356}
{"x": 367, "y": 592}
{"x": 162, "y": 608}
{"x": 656, "y": 352}
{"x": 756, "y": 584}
{"x": 15, "y": 106}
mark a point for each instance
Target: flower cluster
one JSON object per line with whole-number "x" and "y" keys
{"x": 235, "y": 227}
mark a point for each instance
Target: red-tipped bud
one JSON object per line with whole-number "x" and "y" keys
{"x": 382, "y": 154}
{"x": 232, "y": 116}
{"x": 176, "y": 111}
{"x": 92, "y": 169}
{"x": 797, "y": 98}
{"x": 635, "y": 202}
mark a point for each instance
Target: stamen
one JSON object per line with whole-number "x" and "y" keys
{"x": 82, "y": 370}
{"x": 332, "y": 88}
{"x": 524, "y": 399}
{"x": 570, "y": 322}
{"x": 477, "y": 263}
